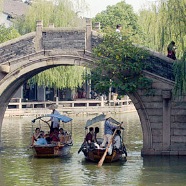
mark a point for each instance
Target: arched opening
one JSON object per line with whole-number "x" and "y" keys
{"x": 22, "y": 72}
{"x": 18, "y": 76}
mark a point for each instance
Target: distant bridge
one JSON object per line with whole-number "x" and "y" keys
{"x": 163, "y": 119}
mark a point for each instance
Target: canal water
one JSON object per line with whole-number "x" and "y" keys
{"x": 19, "y": 168}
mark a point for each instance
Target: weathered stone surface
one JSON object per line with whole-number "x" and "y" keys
{"x": 157, "y": 146}
{"x": 179, "y": 118}
{"x": 157, "y": 138}
{"x": 17, "y": 48}
{"x": 178, "y": 139}
{"x": 152, "y": 105}
{"x": 178, "y": 125}
{"x": 178, "y": 146}
{"x": 157, "y": 132}
{"x": 178, "y": 111}
{"x": 156, "y": 125}
{"x": 151, "y": 98}
{"x": 179, "y": 132}
{"x": 156, "y": 119}
{"x": 154, "y": 112}
{"x": 163, "y": 118}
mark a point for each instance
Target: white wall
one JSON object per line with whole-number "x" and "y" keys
{"x": 3, "y": 20}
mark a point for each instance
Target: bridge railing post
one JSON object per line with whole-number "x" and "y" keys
{"x": 38, "y": 38}
{"x": 20, "y": 104}
{"x": 102, "y": 101}
{"x": 88, "y": 45}
{"x": 57, "y": 100}
{"x": 97, "y": 26}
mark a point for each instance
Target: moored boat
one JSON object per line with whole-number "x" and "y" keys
{"x": 53, "y": 149}
{"x": 94, "y": 152}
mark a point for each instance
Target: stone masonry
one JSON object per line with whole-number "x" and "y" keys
{"x": 162, "y": 116}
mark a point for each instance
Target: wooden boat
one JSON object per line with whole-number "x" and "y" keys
{"x": 94, "y": 153}
{"x": 57, "y": 149}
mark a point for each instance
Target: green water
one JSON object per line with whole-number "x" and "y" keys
{"x": 19, "y": 168}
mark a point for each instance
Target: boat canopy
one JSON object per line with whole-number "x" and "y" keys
{"x": 62, "y": 118}
{"x": 99, "y": 118}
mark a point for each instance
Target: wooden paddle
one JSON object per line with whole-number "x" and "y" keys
{"x": 80, "y": 149}
{"x": 106, "y": 150}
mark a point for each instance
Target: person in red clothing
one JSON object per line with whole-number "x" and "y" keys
{"x": 89, "y": 137}
{"x": 54, "y": 135}
{"x": 171, "y": 50}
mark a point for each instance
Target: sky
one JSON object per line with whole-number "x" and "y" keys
{"x": 97, "y": 6}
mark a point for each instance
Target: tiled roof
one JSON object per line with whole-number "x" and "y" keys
{"x": 15, "y": 8}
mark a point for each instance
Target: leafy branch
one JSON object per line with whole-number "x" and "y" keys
{"x": 120, "y": 65}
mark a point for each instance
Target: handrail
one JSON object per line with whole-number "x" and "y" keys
{"x": 17, "y": 103}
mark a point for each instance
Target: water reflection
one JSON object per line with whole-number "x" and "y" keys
{"x": 19, "y": 168}
{"x": 162, "y": 170}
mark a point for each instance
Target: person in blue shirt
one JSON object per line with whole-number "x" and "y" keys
{"x": 41, "y": 140}
{"x": 108, "y": 132}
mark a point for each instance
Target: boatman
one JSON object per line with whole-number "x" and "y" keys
{"x": 54, "y": 121}
{"x": 108, "y": 132}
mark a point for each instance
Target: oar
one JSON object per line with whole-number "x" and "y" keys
{"x": 105, "y": 153}
{"x": 80, "y": 149}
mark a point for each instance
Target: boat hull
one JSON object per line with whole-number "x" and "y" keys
{"x": 95, "y": 155}
{"x": 51, "y": 150}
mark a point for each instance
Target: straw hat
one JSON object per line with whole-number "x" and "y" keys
{"x": 52, "y": 107}
{"x": 108, "y": 115}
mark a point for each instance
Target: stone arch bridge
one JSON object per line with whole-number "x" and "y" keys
{"x": 163, "y": 119}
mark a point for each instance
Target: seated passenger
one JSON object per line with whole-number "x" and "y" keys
{"x": 61, "y": 132}
{"x": 54, "y": 135}
{"x": 62, "y": 136}
{"x": 35, "y": 135}
{"x": 95, "y": 134}
{"x": 95, "y": 137}
{"x": 117, "y": 140}
{"x": 41, "y": 140}
{"x": 89, "y": 136}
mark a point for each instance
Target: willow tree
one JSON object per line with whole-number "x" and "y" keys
{"x": 7, "y": 33}
{"x": 60, "y": 13}
{"x": 54, "y": 78}
{"x": 162, "y": 23}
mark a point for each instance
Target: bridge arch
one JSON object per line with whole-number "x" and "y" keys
{"x": 162, "y": 117}
{"x": 22, "y": 70}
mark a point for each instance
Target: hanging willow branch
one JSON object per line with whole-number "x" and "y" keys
{"x": 180, "y": 77}
{"x": 61, "y": 77}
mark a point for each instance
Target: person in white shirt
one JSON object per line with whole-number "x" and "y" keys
{"x": 118, "y": 28}
{"x": 117, "y": 140}
{"x": 54, "y": 121}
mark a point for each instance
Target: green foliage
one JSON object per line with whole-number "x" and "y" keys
{"x": 7, "y": 33}
{"x": 121, "y": 13}
{"x": 120, "y": 65}
{"x": 163, "y": 22}
{"x": 180, "y": 77}
{"x": 61, "y": 77}
{"x": 60, "y": 14}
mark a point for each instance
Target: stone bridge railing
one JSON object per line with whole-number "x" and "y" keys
{"x": 70, "y": 42}
{"x": 160, "y": 65}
